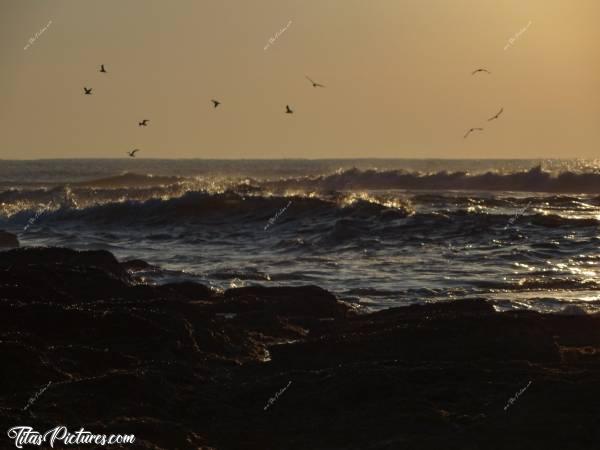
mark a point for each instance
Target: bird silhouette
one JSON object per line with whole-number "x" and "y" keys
{"x": 480, "y": 70}
{"x": 497, "y": 115}
{"x": 315, "y": 84}
{"x": 102, "y": 69}
{"x": 216, "y": 103}
{"x": 144, "y": 123}
{"x": 288, "y": 110}
{"x": 87, "y": 91}
{"x": 471, "y": 130}
{"x": 133, "y": 152}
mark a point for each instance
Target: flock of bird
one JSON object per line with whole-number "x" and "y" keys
{"x": 491, "y": 118}
{"x": 216, "y": 103}
{"x": 289, "y": 110}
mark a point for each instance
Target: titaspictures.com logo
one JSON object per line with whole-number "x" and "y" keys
{"x": 24, "y": 435}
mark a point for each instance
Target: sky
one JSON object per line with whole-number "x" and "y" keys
{"x": 397, "y": 76}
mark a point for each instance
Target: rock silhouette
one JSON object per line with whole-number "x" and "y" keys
{"x": 184, "y": 366}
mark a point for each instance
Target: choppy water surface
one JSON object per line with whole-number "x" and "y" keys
{"x": 377, "y": 233}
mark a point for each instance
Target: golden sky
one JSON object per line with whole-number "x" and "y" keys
{"x": 397, "y": 75}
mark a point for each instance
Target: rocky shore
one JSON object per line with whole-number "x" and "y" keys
{"x": 8, "y": 240}
{"x": 181, "y": 366}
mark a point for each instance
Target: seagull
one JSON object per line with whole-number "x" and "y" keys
{"x": 480, "y": 70}
{"x": 471, "y": 130}
{"x": 497, "y": 115}
{"x": 313, "y": 82}
{"x": 132, "y": 153}
{"x": 288, "y": 110}
{"x": 102, "y": 69}
{"x": 87, "y": 91}
{"x": 144, "y": 123}
{"x": 216, "y": 103}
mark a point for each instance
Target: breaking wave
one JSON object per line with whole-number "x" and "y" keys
{"x": 533, "y": 180}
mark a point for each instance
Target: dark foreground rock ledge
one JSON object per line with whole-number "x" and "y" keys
{"x": 184, "y": 367}
{"x": 8, "y": 240}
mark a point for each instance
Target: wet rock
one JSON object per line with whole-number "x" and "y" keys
{"x": 182, "y": 366}
{"x": 187, "y": 290}
{"x": 307, "y": 301}
{"x": 8, "y": 240}
{"x": 136, "y": 265}
{"x": 65, "y": 258}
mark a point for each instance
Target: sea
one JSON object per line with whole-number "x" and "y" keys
{"x": 378, "y": 233}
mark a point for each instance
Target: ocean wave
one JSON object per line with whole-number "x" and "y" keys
{"x": 218, "y": 208}
{"x": 129, "y": 179}
{"x": 347, "y": 186}
{"x": 345, "y": 215}
{"x": 532, "y": 180}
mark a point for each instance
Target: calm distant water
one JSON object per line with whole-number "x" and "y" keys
{"x": 377, "y": 233}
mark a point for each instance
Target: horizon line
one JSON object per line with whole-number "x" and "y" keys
{"x": 307, "y": 159}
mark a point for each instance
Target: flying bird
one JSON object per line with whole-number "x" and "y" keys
{"x": 87, "y": 91}
{"x": 133, "y": 152}
{"x": 315, "y": 84}
{"x": 497, "y": 115}
{"x": 288, "y": 110}
{"x": 471, "y": 130}
{"x": 216, "y": 103}
{"x": 144, "y": 123}
{"x": 480, "y": 70}
{"x": 102, "y": 69}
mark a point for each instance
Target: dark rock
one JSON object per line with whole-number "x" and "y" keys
{"x": 135, "y": 265}
{"x": 8, "y": 240}
{"x": 181, "y": 366}
{"x": 67, "y": 258}
{"x": 307, "y": 301}
{"x": 187, "y": 290}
